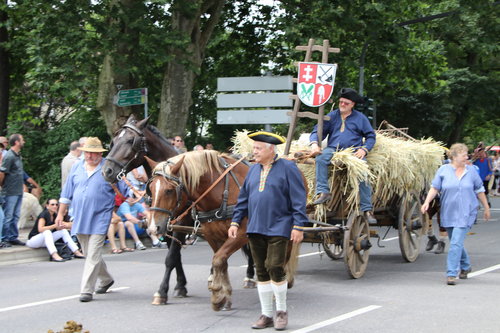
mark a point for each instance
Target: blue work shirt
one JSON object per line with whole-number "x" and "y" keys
{"x": 483, "y": 165}
{"x": 356, "y": 128}
{"x": 458, "y": 197}
{"x": 91, "y": 198}
{"x": 279, "y": 207}
{"x": 126, "y": 208}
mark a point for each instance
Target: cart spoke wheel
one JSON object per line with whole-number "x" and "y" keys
{"x": 411, "y": 226}
{"x": 333, "y": 244}
{"x": 357, "y": 245}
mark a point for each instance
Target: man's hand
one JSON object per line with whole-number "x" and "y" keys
{"x": 59, "y": 221}
{"x": 315, "y": 150}
{"x": 360, "y": 153}
{"x": 232, "y": 232}
{"x": 297, "y": 236}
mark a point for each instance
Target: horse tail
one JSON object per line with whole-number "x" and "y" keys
{"x": 292, "y": 264}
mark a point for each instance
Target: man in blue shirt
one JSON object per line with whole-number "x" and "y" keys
{"x": 92, "y": 200}
{"x": 347, "y": 128}
{"x": 273, "y": 197}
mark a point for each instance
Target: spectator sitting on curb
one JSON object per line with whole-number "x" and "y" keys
{"x": 131, "y": 212}
{"x": 45, "y": 232}
{"x": 117, "y": 226}
{"x": 30, "y": 209}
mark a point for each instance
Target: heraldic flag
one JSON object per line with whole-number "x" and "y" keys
{"x": 315, "y": 82}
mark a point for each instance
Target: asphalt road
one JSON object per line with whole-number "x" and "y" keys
{"x": 393, "y": 296}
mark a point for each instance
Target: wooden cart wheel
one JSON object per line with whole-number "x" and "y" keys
{"x": 411, "y": 226}
{"x": 357, "y": 245}
{"x": 333, "y": 244}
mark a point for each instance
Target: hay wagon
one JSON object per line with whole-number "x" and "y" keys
{"x": 399, "y": 169}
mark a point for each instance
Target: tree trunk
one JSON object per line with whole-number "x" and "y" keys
{"x": 181, "y": 72}
{"x": 114, "y": 75}
{"x": 4, "y": 71}
{"x": 458, "y": 126}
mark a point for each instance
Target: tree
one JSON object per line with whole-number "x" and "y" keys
{"x": 194, "y": 21}
{"x": 4, "y": 68}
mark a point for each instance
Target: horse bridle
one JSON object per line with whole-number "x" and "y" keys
{"x": 138, "y": 146}
{"x": 179, "y": 188}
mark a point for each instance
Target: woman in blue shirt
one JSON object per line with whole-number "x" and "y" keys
{"x": 459, "y": 186}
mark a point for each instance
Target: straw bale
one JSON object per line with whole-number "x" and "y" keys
{"x": 394, "y": 166}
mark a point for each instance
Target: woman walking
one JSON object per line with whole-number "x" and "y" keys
{"x": 459, "y": 186}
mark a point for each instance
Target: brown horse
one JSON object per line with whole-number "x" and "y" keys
{"x": 183, "y": 179}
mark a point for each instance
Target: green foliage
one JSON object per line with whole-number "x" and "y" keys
{"x": 45, "y": 149}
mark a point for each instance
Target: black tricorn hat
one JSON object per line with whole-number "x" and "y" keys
{"x": 351, "y": 95}
{"x": 267, "y": 137}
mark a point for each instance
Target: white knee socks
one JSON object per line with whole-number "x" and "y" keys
{"x": 280, "y": 291}
{"x": 266, "y": 298}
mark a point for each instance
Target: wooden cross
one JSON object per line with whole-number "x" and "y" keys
{"x": 309, "y": 48}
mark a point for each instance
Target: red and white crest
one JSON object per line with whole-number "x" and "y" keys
{"x": 315, "y": 82}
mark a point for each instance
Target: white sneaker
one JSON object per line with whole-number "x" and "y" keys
{"x": 140, "y": 246}
{"x": 159, "y": 245}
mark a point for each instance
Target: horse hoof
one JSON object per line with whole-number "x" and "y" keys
{"x": 249, "y": 283}
{"x": 227, "y": 306}
{"x": 180, "y": 292}
{"x": 158, "y": 300}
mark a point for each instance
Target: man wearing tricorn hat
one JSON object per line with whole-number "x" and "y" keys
{"x": 92, "y": 200}
{"x": 273, "y": 197}
{"x": 347, "y": 128}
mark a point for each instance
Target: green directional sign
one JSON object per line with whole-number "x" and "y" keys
{"x": 131, "y": 97}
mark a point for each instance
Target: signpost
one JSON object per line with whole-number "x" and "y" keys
{"x": 131, "y": 97}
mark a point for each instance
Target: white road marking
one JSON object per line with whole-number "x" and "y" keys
{"x": 485, "y": 270}
{"x": 311, "y": 254}
{"x": 54, "y": 300}
{"x": 389, "y": 239}
{"x": 337, "y": 319}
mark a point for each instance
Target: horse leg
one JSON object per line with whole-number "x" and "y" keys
{"x": 210, "y": 278}
{"x": 249, "y": 281}
{"x": 180, "y": 289}
{"x": 221, "y": 286}
{"x": 172, "y": 260}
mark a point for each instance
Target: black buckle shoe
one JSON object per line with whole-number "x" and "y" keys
{"x": 430, "y": 244}
{"x": 440, "y": 247}
{"x": 323, "y": 197}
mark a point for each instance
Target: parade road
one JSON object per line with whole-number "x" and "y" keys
{"x": 393, "y": 296}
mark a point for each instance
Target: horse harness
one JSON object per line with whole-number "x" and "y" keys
{"x": 138, "y": 146}
{"x": 222, "y": 213}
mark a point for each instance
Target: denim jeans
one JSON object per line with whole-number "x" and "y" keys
{"x": 12, "y": 209}
{"x": 2, "y": 219}
{"x": 458, "y": 259}
{"x": 322, "y": 163}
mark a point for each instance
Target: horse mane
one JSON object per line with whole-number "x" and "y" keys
{"x": 157, "y": 132}
{"x": 195, "y": 165}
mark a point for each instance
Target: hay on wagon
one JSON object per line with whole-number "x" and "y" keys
{"x": 395, "y": 165}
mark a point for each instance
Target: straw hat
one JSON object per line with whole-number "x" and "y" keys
{"x": 93, "y": 145}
